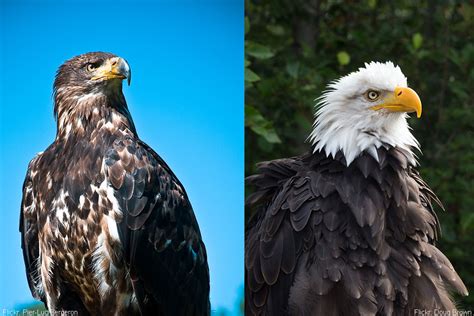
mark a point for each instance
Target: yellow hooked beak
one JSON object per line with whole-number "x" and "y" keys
{"x": 402, "y": 100}
{"x": 113, "y": 68}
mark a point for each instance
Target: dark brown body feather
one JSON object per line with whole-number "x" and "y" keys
{"x": 327, "y": 239}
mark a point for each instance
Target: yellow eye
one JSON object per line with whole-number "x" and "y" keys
{"x": 91, "y": 67}
{"x": 372, "y": 95}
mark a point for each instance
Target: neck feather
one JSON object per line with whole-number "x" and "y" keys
{"x": 355, "y": 134}
{"x": 80, "y": 115}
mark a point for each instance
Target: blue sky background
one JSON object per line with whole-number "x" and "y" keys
{"x": 186, "y": 99}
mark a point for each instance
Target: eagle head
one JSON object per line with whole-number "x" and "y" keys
{"x": 92, "y": 72}
{"x": 365, "y": 110}
{"x": 88, "y": 82}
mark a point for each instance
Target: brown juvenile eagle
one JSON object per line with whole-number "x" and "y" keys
{"x": 107, "y": 228}
{"x": 349, "y": 227}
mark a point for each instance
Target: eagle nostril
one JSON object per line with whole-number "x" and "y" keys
{"x": 399, "y": 93}
{"x": 114, "y": 62}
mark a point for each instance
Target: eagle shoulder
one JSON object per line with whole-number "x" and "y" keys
{"x": 29, "y": 232}
{"x": 158, "y": 231}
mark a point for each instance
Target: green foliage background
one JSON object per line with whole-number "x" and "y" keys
{"x": 293, "y": 48}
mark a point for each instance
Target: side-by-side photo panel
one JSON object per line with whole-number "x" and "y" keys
{"x": 358, "y": 158}
{"x": 122, "y": 158}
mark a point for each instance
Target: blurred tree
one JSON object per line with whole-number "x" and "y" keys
{"x": 293, "y": 48}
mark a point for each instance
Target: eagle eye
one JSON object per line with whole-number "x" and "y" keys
{"x": 372, "y": 95}
{"x": 91, "y": 67}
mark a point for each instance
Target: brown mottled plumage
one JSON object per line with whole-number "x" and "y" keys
{"x": 107, "y": 228}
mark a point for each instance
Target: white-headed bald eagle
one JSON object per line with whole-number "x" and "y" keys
{"x": 107, "y": 228}
{"x": 349, "y": 227}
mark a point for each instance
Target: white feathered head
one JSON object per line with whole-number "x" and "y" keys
{"x": 365, "y": 110}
